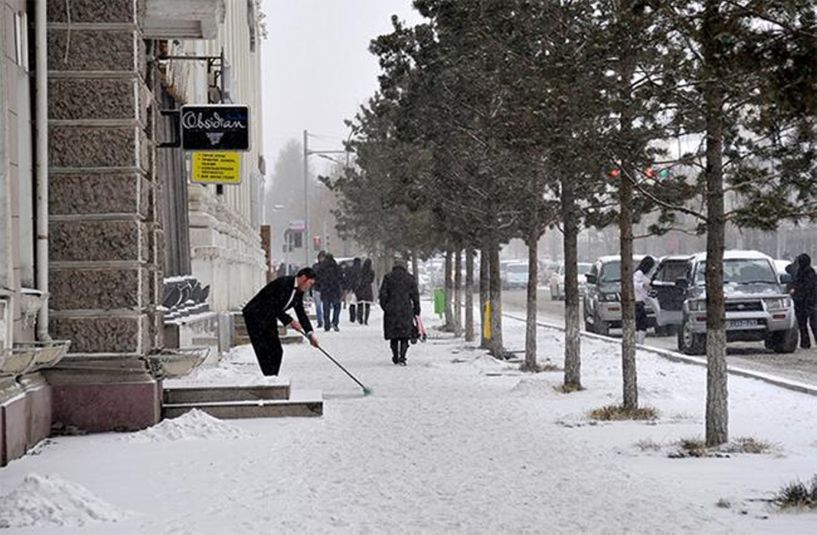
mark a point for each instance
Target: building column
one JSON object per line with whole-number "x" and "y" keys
{"x": 106, "y": 241}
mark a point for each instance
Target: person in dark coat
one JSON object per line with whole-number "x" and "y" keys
{"x": 364, "y": 292}
{"x": 330, "y": 285}
{"x": 351, "y": 278}
{"x": 400, "y": 300}
{"x": 804, "y": 295}
{"x": 316, "y": 294}
{"x": 271, "y": 304}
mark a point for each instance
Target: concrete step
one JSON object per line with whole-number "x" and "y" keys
{"x": 302, "y": 404}
{"x": 210, "y": 394}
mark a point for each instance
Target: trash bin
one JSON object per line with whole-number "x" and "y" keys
{"x": 439, "y": 301}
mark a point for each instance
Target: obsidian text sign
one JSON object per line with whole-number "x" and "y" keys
{"x": 215, "y": 127}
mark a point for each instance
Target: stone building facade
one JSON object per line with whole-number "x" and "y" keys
{"x": 114, "y": 199}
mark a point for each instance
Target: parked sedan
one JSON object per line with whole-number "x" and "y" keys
{"x": 557, "y": 280}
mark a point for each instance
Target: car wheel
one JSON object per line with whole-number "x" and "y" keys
{"x": 690, "y": 342}
{"x": 783, "y": 341}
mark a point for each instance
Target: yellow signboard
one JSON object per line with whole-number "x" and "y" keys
{"x": 217, "y": 167}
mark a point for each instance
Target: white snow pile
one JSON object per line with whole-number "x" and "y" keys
{"x": 46, "y": 501}
{"x": 195, "y": 424}
{"x": 533, "y": 387}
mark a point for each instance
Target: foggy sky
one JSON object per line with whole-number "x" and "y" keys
{"x": 316, "y": 67}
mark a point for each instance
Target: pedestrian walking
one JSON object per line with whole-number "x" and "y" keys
{"x": 329, "y": 282}
{"x": 316, "y": 294}
{"x": 351, "y": 278}
{"x": 364, "y": 292}
{"x": 804, "y": 295}
{"x": 271, "y": 304}
{"x": 400, "y": 301}
{"x": 641, "y": 288}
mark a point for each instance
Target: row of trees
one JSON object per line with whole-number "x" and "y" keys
{"x": 499, "y": 120}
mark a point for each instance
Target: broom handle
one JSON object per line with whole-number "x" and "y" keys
{"x": 338, "y": 364}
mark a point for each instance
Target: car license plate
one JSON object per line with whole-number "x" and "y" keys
{"x": 741, "y": 324}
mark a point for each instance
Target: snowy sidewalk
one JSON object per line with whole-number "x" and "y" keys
{"x": 454, "y": 442}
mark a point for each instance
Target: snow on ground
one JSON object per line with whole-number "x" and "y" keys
{"x": 454, "y": 442}
{"x": 43, "y": 501}
{"x": 190, "y": 425}
{"x": 233, "y": 369}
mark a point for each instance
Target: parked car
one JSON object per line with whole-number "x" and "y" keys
{"x": 557, "y": 280}
{"x": 515, "y": 275}
{"x": 757, "y": 305}
{"x": 602, "y": 298}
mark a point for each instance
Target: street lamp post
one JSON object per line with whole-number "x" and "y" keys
{"x": 307, "y": 153}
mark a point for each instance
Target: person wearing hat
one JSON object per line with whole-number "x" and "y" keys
{"x": 399, "y": 298}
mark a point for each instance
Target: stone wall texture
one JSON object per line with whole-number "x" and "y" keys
{"x": 92, "y": 11}
{"x": 95, "y": 241}
{"x": 100, "y": 334}
{"x": 97, "y": 193}
{"x": 80, "y": 146}
{"x": 92, "y": 289}
{"x": 93, "y": 50}
{"x": 91, "y": 98}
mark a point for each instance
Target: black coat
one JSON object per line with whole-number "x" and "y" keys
{"x": 329, "y": 281}
{"x": 274, "y": 300}
{"x": 351, "y": 278}
{"x": 363, "y": 291}
{"x": 400, "y": 301}
{"x": 805, "y": 282}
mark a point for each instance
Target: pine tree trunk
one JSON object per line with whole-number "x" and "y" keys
{"x": 496, "y": 302}
{"x": 530, "y": 323}
{"x": 449, "y": 292}
{"x": 625, "y": 226}
{"x": 573, "y": 360}
{"x": 469, "y": 295}
{"x": 458, "y": 292}
{"x": 717, "y": 411}
{"x": 484, "y": 294}
{"x": 628, "y": 365}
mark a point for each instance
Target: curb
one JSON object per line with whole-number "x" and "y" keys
{"x": 673, "y": 356}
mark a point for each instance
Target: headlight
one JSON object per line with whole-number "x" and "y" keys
{"x": 609, "y": 297}
{"x": 696, "y": 305}
{"x": 777, "y": 303}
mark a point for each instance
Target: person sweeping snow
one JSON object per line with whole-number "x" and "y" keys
{"x": 271, "y": 304}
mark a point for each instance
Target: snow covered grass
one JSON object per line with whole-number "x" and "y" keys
{"x": 696, "y": 447}
{"x": 798, "y": 495}
{"x": 617, "y": 412}
{"x": 457, "y": 441}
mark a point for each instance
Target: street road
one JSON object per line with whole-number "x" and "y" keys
{"x": 799, "y": 366}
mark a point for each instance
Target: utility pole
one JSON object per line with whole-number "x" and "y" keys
{"x": 306, "y": 237}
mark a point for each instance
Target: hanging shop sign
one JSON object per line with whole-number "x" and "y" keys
{"x": 215, "y": 127}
